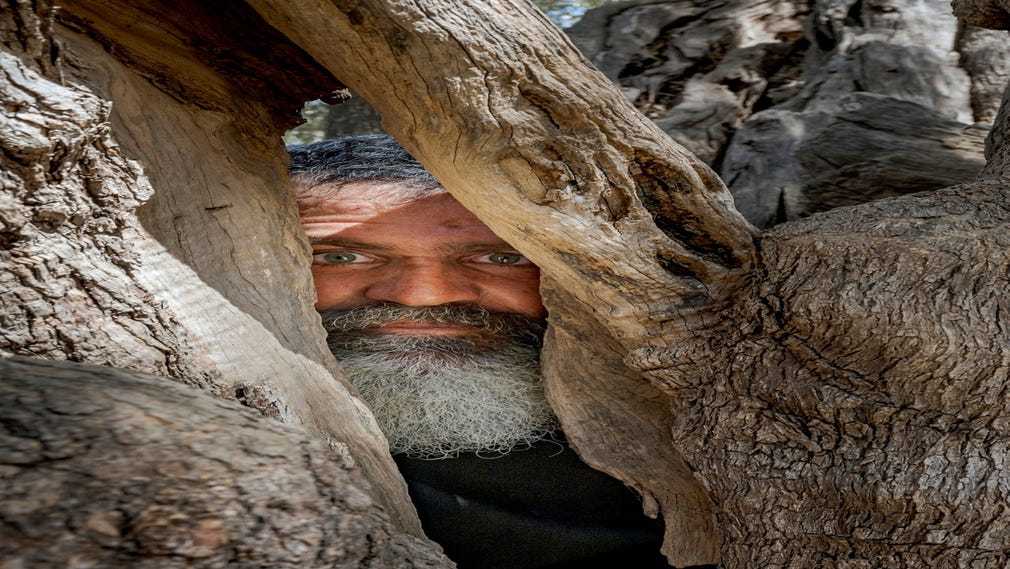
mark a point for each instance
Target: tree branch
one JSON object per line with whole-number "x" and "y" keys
{"x": 591, "y": 190}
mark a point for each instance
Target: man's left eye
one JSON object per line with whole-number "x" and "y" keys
{"x": 503, "y": 259}
{"x": 339, "y": 258}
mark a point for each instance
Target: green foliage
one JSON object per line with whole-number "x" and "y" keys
{"x": 566, "y": 13}
{"x": 314, "y": 129}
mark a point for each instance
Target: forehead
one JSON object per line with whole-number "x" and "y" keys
{"x": 382, "y": 207}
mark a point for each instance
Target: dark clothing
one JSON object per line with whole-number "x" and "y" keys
{"x": 537, "y": 508}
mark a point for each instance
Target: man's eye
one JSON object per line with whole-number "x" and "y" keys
{"x": 503, "y": 259}
{"x": 338, "y": 258}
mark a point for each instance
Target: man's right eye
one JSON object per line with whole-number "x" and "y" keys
{"x": 338, "y": 258}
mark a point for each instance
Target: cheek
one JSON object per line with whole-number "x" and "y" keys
{"x": 521, "y": 296}
{"x": 332, "y": 291}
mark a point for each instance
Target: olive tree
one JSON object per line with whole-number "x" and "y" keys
{"x": 828, "y": 393}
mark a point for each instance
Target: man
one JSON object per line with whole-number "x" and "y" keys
{"x": 438, "y": 323}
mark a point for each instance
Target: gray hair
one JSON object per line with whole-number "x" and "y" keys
{"x": 363, "y": 158}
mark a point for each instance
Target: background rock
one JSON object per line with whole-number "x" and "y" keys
{"x": 805, "y": 106}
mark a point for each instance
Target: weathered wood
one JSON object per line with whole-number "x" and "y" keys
{"x": 575, "y": 163}
{"x": 699, "y": 69}
{"x": 825, "y": 435}
{"x": 836, "y": 384}
{"x": 589, "y": 386}
{"x": 109, "y": 468}
{"x": 784, "y": 164}
{"x": 983, "y": 57}
{"x": 904, "y": 51}
{"x": 90, "y": 273}
{"x": 995, "y": 15}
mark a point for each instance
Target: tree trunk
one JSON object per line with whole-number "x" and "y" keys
{"x": 200, "y": 270}
{"x": 110, "y": 468}
{"x": 841, "y": 410}
{"x": 827, "y": 394}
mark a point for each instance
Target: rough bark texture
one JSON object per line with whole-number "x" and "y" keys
{"x": 863, "y": 391}
{"x": 82, "y": 278}
{"x": 991, "y": 14}
{"x": 833, "y": 390}
{"x": 843, "y": 408}
{"x": 108, "y": 468}
{"x": 994, "y": 15}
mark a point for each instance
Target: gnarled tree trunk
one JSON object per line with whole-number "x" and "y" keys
{"x": 198, "y": 271}
{"x": 113, "y": 468}
{"x": 805, "y": 105}
{"x": 824, "y": 382}
{"x": 827, "y": 394}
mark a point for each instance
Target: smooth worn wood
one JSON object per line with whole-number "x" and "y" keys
{"x": 602, "y": 401}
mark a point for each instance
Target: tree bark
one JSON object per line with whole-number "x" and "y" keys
{"x": 834, "y": 408}
{"x": 832, "y": 389}
{"x": 111, "y": 468}
{"x": 90, "y": 273}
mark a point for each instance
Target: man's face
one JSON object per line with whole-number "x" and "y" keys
{"x": 434, "y": 319}
{"x": 369, "y": 247}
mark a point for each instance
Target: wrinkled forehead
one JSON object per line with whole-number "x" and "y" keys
{"x": 358, "y": 197}
{"x": 379, "y": 214}
{"x": 380, "y": 207}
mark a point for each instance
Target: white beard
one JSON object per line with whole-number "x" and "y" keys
{"x": 437, "y": 396}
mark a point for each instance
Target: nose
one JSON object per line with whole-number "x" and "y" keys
{"x": 424, "y": 282}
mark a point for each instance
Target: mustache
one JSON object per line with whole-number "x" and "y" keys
{"x": 437, "y": 396}
{"x": 361, "y": 318}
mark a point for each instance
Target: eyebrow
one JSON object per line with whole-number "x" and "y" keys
{"x": 349, "y": 243}
{"x": 486, "y": 247}
{"x": 448, "y": 248}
